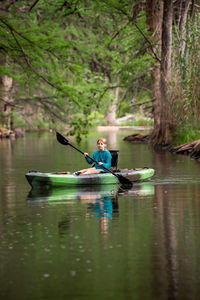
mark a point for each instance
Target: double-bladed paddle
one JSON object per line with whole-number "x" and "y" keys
{"x": 62, "y": 140}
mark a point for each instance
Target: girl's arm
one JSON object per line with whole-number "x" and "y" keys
{"x": 88, "y": 159}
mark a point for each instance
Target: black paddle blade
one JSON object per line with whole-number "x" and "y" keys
{"x": 61, "y": 139}
{"x": 125, "y": 181}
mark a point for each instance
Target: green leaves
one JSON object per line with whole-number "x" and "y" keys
{"x": 66, "y": 56}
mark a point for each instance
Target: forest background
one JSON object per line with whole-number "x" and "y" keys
{"x": 81, "y": 63}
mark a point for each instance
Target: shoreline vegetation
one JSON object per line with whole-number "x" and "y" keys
{"x": 8, "y": 133}
{"x": 191, "y": 148}
{"x": 83, "y": 64}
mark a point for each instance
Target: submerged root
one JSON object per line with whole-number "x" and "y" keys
{"x": 137, "y": 138}
{"x": 148, "y": 139}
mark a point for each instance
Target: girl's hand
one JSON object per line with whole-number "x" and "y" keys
{"x": 85, "y": 154}
{"x": 100, "y": 163}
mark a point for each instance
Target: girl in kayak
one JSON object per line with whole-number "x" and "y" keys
{"x": 102, "y": 156}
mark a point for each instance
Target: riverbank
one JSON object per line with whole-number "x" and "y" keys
{"x": 116, "y": 128}
{"x": 191, "y": 149}
{"x": 7, "y": 133}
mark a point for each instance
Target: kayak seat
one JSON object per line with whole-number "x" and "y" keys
{"x": 114, "y": 160}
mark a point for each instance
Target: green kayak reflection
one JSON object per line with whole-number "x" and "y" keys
{"x": 143, "y": 189}
{"x": 64, "y": 195}
{"x": 99, "y": 202}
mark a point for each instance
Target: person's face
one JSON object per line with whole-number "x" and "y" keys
{"x": 100, "y": 145}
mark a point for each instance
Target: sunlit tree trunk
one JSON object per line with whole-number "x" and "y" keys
{"x": 6, "y": 99}
{"x": 111, "y": 113}
{"x": 166, "y": 126}
{"x": 154, "y": 10}
{"x": 181, "y": 9}
{"x": 6, "y": 83}
{"x": 161, "y": 77}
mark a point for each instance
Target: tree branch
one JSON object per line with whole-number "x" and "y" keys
{"x": 33, "y": 5}
{"x": 28, "y": 64}
{"x": 105, "y": 69}
{"x": 142, "y": 33}
{"x": 148, "y": 41}
{"x": 10, "y": 104}
{"x": 51, "y": 112}
{"x": 118, "y": 32}
{"x": 12, "y": 29}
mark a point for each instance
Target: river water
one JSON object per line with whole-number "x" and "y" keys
{"x": 98, "y": 243}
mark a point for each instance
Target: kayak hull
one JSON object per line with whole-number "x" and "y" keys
{"x": 39, "y": 179}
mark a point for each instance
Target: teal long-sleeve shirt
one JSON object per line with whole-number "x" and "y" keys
{"x": 103, "y": 156}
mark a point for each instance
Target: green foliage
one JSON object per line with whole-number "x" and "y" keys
{"x": 186, "y": 79}
{"x": 97, "y": 118}
{"x": 142, "y": 121}
{"x": 38, "y": 123}
{"x": 125, "y": 108}
{"x": 68, "y": 58}
{"x": 79, "y": 126}
{"x": 185, "y": 135}
{"x": 18, "y": 122}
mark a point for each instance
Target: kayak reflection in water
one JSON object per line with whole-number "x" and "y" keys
{"x": 102, "y": 156}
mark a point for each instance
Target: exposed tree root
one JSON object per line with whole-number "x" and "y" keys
{"x": 7, "y": 133}
{"x": 192, "y": 149}
{"x": 137, "y": 138}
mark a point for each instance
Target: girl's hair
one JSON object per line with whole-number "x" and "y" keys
{"x": 102, "y": 140}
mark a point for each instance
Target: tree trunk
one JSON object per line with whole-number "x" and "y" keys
{"x": 161, "y": 77}
{"x": 181, "y": 9}
{"x": 6, "y": 85}
{"x": 165, "y": 130}
{"x": 6, "y": 100}
{"x": 154, "y": 10}
{"x": 110, "y": 116}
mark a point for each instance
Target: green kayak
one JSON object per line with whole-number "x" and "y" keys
{"x": 63, "y": 179}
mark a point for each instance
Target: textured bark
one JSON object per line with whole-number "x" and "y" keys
{"x": 6, "y": 83}
{"x": 161, "y": 77}
{"x": 154, "y": 10}
{"x": 6, "y": 99}
{"x": 164, "y": 134}
{"x": 110, "y": 116}
{"x": 181, "y": 9}
{"x": 192, "y": 149}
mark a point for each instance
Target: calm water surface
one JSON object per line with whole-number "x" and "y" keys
{"x": 99, "y": 243}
